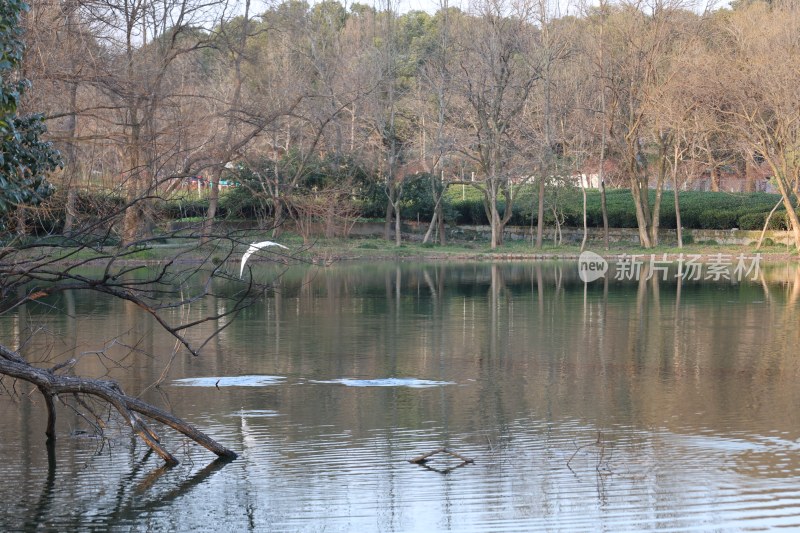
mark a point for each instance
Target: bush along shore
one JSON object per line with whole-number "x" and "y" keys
{"x": 463, "y": 207}
{"x": 711, "y": 220}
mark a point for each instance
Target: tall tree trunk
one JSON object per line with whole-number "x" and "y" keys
{"x": 490, "y": 197}
{"x": 398, "y": 236}
{"x": 602, "y": 176}
{"x": 662, "y": 174}
{"x": 585, "y": 221}
{"x": 387, "y": 224}
{"x": 540, "y": 213}
{"x": 749, "y": 176}
{"x": 715, "y": 178}
{"x": 675, "y": 188}
{"x": 227, "y": 152}
{"x": 604, "y": 210}
{"x": 766, "y": 224}
{"x": 213, "y": 204}
{"x": 437, "y": 220}
{"x": 279, "y": 217}
{"x": 495, "y": 225}
{"x": 133, "y": 214}
{"x": 442, "y": 228}
{"x": 71, "y": 164}
{"x": 794, "y": 223}
{"x": 639, "y": 191}
{"x": 641, "y": 218}
{"x": 547, "y": 166}
{"x": 786, "y": 190}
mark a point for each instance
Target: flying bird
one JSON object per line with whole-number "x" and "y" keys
{"x": 256, "y": 246}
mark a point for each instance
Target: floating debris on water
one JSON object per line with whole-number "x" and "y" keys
{"x": 388, "y": 382}
{"x": 255, "y": 413}
{"x": 230, "y": 381}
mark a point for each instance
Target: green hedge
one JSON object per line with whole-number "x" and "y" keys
{"x": 464, "y": 206}
{"x": 699, "y": 210}
{"x": 185, "y": 208}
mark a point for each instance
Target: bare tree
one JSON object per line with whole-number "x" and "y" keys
{"x": 437, "y": 79}
{"x": 60, "y": 58}
{"x": 324, "y": 84}
{"x": 684, "y": 118}
{"x": 640, "y": 38}
{"x": 595, "y": 51}
{"x": 233, "y": 42}
{"x": 765, "y": 115}
{"x": 385, "y": 106}
{"x": 496, "y": 76}
{"x": 552, "y": 48}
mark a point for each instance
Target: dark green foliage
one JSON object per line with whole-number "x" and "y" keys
{"x": 186, "y": 208}
{"x": 699, "y": 210}
{"x": 717, "y": 219}
{"x": 618, "y": 217}
{"x": 470, "y": 211}
{"x": 247, "y": 199}
{"x": 417, "y": 201}
{"x": 92, "y": 209}
{"x": 755, "y": 221}
{"x": 24, "y": 158}
{"x": 261, "y": 180}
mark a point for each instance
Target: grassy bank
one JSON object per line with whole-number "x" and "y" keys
{"x": 346, "y": 249}
{"x": 325, "y": 251}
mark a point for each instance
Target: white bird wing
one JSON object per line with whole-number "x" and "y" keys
{"x": 256, "y": 246}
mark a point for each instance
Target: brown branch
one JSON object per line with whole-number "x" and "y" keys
{"x": 51, "y": 385}
{"x": 422, "y": 459}
{"x": 51, "y": 414}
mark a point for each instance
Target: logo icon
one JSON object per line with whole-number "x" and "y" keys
{"x": 591, "y": 267}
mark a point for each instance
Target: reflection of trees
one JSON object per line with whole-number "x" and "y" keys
{"x": 41, "y": 510}
{"x": 133, "y": 494}
{"x": 522, "y": 341}
{"x": 133, "y": 505}
{"x": 531, "y": 336}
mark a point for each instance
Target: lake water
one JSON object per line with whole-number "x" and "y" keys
{"x": 604, "y": 406}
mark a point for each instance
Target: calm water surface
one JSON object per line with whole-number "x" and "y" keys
{"x": 608, "y": 406}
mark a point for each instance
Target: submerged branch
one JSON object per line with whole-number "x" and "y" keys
{"x": 51, "y": 385}
{"x": 422, "y": 459}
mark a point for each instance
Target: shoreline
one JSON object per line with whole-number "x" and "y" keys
{"x": 532, "y": 257}
{"x": 368, "y": 250}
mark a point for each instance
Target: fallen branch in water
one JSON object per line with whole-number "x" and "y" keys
{"x": 51, "y": 385}
{"x": 600, "y": 454}
{"x": 422, "y": 459}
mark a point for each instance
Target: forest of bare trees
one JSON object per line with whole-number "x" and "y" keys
{"x": 318, "y": 106}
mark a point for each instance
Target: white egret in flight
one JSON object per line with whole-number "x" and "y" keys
{"x": 256, "y": 246}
